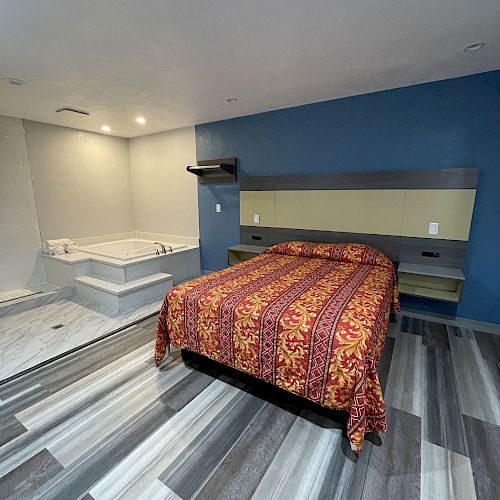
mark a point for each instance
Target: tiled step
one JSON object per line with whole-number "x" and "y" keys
{"x": 123, "y": 296}
{"x": 22, "y": 300}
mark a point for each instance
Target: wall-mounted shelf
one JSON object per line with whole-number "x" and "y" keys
{"x": 433, "y": 282}
{"x": 240, "y": 253}
{"x": 215, "y": 171}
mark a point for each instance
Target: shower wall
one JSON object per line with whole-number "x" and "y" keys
{"x": 20, "y": 244}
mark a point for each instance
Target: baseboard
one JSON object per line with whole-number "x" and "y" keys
{"x": 472, "y": 324}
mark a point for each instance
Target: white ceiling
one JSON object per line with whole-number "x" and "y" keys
{"x": 176, "y": 61}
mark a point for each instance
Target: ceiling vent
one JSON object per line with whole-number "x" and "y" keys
{"x": 73, "y": 110}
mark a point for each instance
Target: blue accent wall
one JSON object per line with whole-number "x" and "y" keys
{"x": 446, "y": 124}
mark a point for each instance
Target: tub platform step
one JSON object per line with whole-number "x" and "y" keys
{"x": 123, "y": 296}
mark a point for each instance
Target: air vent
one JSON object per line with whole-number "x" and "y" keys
{"x": 73, "y": 110}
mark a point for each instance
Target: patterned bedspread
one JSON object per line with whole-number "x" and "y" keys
{"x": 309, "y": 318}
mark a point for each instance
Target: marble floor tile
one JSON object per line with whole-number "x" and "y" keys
{"x": 476, "y": 385}
{"x": 28, "y": 339}
{"x": 484, "y": 451}
{"x": 445, "y": 475}
{"x": 406, "y": 381}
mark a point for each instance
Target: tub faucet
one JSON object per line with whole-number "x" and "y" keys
{"x": 163, "y": 249}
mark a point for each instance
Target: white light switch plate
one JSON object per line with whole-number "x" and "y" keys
{"x": 217, "y": 207}
{"x": 256, "y": 219}
{"x": 434, "y": 228}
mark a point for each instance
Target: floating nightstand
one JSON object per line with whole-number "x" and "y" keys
{"x": 240, "y": 253}
{"x": 433, "y": 282}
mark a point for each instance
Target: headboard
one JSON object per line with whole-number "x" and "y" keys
{"x": 389, "y": 210}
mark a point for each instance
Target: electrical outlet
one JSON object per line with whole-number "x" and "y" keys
{"x": 217, "y": 208}
{"x": 256, "y": 219}
{"x": 434, "y": 228}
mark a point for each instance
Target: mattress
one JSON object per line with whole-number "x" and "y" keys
{"x": 308, "y": 318}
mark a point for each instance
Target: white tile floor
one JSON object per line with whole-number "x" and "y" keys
{"x": 27, "y": 338}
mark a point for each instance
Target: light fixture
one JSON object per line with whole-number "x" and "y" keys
{"x": 15, "y": 81}
{"x": 140, "y": 120}
{"x": 106, "y": 128}
{"x": 474, "y": 47}
{"x": 231, "y": 99}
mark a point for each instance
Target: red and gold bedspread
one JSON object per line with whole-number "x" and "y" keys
{"x": 309, "y": 318}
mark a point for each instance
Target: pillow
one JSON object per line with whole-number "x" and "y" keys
{"x": 343, "y": 252}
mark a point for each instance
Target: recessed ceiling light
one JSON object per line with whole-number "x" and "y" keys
{"x": 106, "y": 128}
{"x": 15, "y": 81}
{"x": 231, "y": 99}
{"x": 141, "y": 120}
{"x": 474, "y": 47}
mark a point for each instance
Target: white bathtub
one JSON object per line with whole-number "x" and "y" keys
{"x": 129, "y": 249}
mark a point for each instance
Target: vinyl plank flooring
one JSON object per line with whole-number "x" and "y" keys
{"x": 442, "y": 420}
{"x": 241, "y": 470}
{"x": 384, "y": 364}
{"x": 186, "y": 390}
{"x": 489, "y": 345}
{"x": 104, "y": 423}
{"x": 158, "y": 491}
{"x": 131, "y": 476}
{"x": 199, "y": 459}
{"x": 411, "y": 325}
{"x": 465, "y": 333}
{"x": 484, "y": 449}
{"x": 79, "y": 477}
{"x": 300, "y": 466}
{"x": 477, "y": 387}
{"x": 23, "y": 481}
{"x": 95, "y": 423}
{"x": 435, "y": 335}
{"x": 11, "y": 428}
{"x": 445, "y": 475}
{"x": 394, "y": 467}
{"x": 345, "y": 476}
{"x": 406, "y": 381}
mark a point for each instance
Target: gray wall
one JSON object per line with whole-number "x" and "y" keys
{"x": 165, "y": 195}
{"x": 81, "y": 180}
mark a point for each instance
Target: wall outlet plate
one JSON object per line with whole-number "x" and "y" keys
{"x": 256, "y": 219}
{"x": 217, "y": 208}
{"x": 434, "y": 228}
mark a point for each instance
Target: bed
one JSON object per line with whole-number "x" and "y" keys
{"x": 309, "y": 318}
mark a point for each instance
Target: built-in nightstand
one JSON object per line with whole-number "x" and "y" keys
{"x": 433, "y": 282}
{"x": 240, "y": 253}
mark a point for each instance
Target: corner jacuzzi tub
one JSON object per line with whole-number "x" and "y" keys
{"x": 129, "y": 249}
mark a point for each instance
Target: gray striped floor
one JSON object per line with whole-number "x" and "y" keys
{"x": 104, "y": 423}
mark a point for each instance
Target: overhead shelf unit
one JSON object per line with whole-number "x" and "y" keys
{"x": 433, "y": 282}
{"x": 219, "y": 171}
